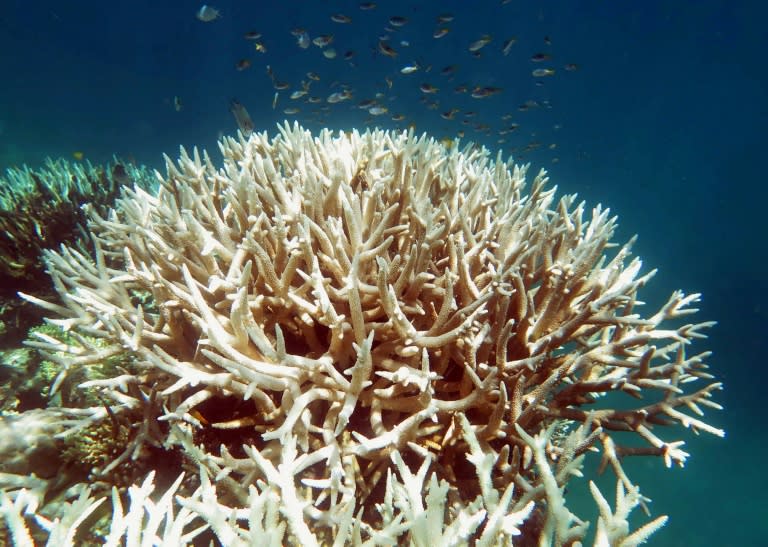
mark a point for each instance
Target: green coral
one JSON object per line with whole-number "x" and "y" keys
{"x": 96, "y": 446}
{"x": 27, "y": 376}
{"x": 25, "y": 379}
{"x": 41, "y": 208}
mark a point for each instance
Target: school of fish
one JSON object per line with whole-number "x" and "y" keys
{"x": 407, "y": 89}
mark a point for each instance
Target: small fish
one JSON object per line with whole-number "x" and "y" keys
{"x": 386, "y": 49}
{"x": 252, "y": 35}
{"x": 349, "y": 55}
{"x": 243, "y": 64}
{"x": 445, "y": 18}
{"x": 341, "y": 18}
{"x": 483, "y": 92}
{"x": 258, "y": 46}
{"x": 298, "y": 94}
{"x": 206, "y": 14}
{"x": 428, "y": 88}
{"x": 323, "y": 40}
{"x": 533, "y": 145}
{"x": 439, "y": 33}
{"x": 199, "y": 417}
{"x": 329, "y": 53}
{"x": 507, "y": 46}
{"x": 78, "y": 155}
{"x": 410, "y": 69}
{"x": 302, "y": 40}
{"x": 339, "y": 96}
{"x": 543, "y": 72}
{"x": 274, "y": 99}
{"x": 177, "y": 104}
{"x": 313, "y": 76}
{"x": 539, "y": 57}
{"x": 120, "y": 175}
{"x": 450, "y": 114}
{"x": 570, "y": 67}
{"x": 243, "y": 119}
{"x": 367, "y": 6}
{"x": 377, "y": 110}
{"x": 291, "y": 111}
{"x": 398, "y": 21}
{"x": 280, "y": 86}
{"x": 398, "y": 117}
{"x": 479, "y": 44}
{"x": 449, "y": 70}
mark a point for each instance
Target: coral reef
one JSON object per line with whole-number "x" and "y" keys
{"x": 31, "y": 380}
{"x": 364, "y": 338}
{"x": 41, "y": 209}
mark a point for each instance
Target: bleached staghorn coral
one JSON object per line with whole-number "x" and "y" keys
{"x": 383, "y": 338}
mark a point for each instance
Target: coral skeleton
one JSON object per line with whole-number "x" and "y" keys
{"x": 365, "y": 338}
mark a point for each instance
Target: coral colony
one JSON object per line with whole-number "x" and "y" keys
{"x": 356, "y": 338}
{"x": 40, "y": 209}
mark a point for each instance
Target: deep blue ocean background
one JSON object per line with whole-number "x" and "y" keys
{"x": 663, "y": 119}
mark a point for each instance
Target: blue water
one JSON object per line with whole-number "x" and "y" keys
{"x": 663, "y": 121}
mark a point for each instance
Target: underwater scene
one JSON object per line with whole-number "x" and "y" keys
{"x": 384, "y": 273}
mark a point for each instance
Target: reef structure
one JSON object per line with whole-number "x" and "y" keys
{"x": 365, "y": 338}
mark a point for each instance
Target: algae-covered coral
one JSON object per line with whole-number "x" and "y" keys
{"x": 367, "y": 338}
